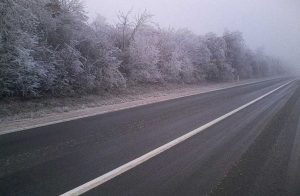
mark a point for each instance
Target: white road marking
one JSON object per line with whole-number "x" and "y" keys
{"x": 23, "y": 128}
{"x": 118, "y": 171}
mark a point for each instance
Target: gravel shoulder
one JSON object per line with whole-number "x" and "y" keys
{"x": 16, "y": 115}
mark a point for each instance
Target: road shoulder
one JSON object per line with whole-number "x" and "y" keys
{"x": 38, "y": 118}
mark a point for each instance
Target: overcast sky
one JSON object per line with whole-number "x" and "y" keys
{"x": 272, "y": 24}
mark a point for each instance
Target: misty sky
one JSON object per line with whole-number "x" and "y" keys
{"x": 272, "y": 24}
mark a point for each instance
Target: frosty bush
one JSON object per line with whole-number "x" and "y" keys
{"x": 48, "y": 48}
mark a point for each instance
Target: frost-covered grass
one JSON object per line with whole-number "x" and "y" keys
{"x": 16, "y": 113}
{"x": 14, "y": 109}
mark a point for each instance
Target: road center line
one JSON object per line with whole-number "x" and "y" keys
{"x": 123, "y": 168}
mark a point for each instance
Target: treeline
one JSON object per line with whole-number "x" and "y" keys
{"x": 48, "y": 48}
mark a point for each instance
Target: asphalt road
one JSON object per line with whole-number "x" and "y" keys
{"x": 255, "y": 151}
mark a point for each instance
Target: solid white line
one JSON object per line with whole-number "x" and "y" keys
{"x": 119, "y": 109}
{"x": 118, "y": 171}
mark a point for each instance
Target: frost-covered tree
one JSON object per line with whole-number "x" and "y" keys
{"x": 48, "y": 48}
{"x": 176, "y": 56}
{"x": 20, "y": 74}
{"x": 236, "y": 53}
{"x": 167, "y": 63}
{"x": 126, "y": 30}
{"x": 200, "y": 56}
{"x": 218, "y": 69}
{"x": 103, "y": 55}
{"x": 144, "y": 57}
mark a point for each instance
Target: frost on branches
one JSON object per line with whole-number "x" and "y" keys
{"x": 48, "y": 48}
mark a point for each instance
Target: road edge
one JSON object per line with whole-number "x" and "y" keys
{"x": 7, "y": 129}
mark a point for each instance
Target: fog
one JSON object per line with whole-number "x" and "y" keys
{"x": 269, "y": 24}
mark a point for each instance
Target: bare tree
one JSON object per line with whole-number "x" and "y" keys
{"x": 129, "y": 28}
